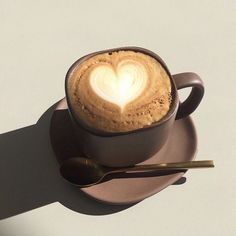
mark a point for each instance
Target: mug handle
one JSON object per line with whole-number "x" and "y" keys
{"x": 184, "y": 80}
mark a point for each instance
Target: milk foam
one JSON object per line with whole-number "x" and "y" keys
{"x": 119, "y": 91}
{"x": 119, "y": 85}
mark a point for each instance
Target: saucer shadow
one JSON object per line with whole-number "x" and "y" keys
{"x": 30, "y": 178}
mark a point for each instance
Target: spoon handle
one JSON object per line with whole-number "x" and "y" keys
{"x": 170, "y": 166}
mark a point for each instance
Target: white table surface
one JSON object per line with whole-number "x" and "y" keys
{"x": 39, "y": 40}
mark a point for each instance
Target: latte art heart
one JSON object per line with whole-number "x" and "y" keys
{"x": 119, "y": 91}
{"x": 120, "y": 85}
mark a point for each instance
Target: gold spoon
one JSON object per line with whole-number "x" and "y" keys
{"x": 85, "y": 172}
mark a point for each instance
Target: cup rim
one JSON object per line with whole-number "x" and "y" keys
{"x": 173, "y": 107}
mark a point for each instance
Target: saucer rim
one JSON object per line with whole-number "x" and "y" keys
{"x": 62, "y": 105}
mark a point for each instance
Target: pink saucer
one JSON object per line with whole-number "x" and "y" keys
{"x": 126, "y": 189}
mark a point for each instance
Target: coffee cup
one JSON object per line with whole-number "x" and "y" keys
{"x": 119, "y": 149}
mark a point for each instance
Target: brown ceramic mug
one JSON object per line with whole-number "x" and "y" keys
{"x": 132, "y": 147}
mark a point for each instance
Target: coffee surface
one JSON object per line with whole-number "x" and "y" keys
{"x": 119, "y": 91}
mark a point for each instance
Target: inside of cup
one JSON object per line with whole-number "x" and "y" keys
{"x": 98, "y": 132}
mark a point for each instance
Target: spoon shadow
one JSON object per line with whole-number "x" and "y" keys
{"x": 144, "y": 174}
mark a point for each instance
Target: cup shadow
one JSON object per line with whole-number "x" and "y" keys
{"x": 30, "y": 177}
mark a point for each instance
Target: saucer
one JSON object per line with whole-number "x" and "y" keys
{"x": 127, "y": 188}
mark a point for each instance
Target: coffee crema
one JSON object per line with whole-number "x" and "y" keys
{"x": 119, "y": 91}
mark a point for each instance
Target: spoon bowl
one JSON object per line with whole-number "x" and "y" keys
{"x": 82, "y": 171}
